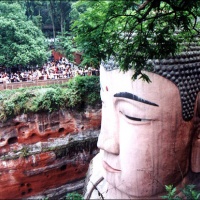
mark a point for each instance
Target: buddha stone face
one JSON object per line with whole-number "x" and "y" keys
{"x": 144, "y": 141}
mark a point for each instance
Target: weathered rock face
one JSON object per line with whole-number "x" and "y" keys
{"x": 40, "y": 153}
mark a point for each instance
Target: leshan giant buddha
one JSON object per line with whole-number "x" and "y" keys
{"x": 149, "y": 133}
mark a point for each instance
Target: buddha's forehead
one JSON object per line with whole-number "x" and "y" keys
{"x": 183, "y": 70}
{"x": 160, "y": 91}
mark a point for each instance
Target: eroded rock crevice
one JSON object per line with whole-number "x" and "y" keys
{"x": 47, "y": 152}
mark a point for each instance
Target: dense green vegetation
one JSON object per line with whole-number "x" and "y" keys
{"x": 25, "y": 27}
{"x": 21, "y": 42}
{"x": 52, "y": 16}
{"x": 135, "y": 30}
{"x": 132, "y": 30}
{"x": 78, "y": 93}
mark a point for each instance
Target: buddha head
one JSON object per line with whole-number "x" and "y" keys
{"x": 147, "y": 137}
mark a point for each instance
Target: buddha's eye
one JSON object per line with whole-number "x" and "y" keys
{"x": 135, "y": 118}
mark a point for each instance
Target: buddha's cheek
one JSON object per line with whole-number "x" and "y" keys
{"x": 147, "y": 159}
{"x": 136, "y": 159}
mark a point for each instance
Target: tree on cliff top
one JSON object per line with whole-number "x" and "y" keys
{"x": 135, "y": 30}
{"x": 21, "y": 42}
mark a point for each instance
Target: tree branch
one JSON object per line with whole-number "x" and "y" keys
{"x": 94, "y": 187}
{"x": 142, "y": 6}
{"x": 145, "y": 14}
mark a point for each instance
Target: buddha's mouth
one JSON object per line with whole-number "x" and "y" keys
{"x": 108, "y": 168}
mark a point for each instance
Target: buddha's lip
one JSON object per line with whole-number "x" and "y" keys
{"x": 108, "y": 168}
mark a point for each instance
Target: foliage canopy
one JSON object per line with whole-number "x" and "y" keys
{"x": 21, "y": 42}
{"x": 135, "y": 30}
{"x": 66, "y": 46}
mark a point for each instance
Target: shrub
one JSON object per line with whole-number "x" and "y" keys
{"x": 77, "y": 93}
{"x": 188, "y": 192}
{"x": 49, "y": 100}
{"x": 84, "y": 90}
{"x": 74, "y": 196}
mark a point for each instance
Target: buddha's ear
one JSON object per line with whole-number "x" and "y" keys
{"x": 195, "y": 157}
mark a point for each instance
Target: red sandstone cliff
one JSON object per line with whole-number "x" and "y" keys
{"x": 46, "y": 154}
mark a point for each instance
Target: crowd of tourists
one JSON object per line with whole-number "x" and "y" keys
{"x": 50, "y": 70}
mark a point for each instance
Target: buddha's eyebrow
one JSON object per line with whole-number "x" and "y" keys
{"x": 128, "y": 95}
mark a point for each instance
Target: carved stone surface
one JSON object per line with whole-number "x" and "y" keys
{"x": 183, "y": 70}
{"x": 145, "y": 143}
{"x": 42, "y": 152}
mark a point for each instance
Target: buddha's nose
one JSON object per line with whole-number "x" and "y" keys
{"x": 109, "y": 138}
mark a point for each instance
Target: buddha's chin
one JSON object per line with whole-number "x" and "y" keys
{"x": 115, "y": 193}
{"x": 122, "y": 189}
